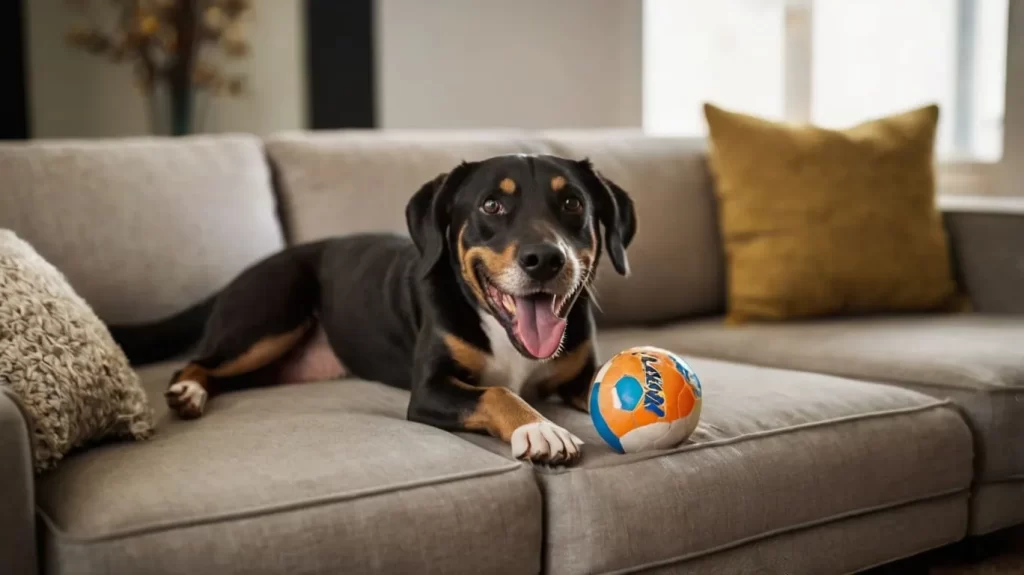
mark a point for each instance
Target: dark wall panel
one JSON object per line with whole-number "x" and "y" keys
{"x": 340, "y": 64}
{"x": 13, "y": 103}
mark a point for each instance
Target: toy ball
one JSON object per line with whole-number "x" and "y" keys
{"x": 645, "y": 398}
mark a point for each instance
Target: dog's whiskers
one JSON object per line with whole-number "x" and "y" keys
{"x": 588, "y": 286}
{"x": 592, "y": 295}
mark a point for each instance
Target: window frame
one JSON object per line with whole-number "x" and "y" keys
{"x": 954, "y": 176}
{"x": 1008, "y": 177}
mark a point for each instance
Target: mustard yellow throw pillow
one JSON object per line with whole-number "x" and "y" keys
{"x": 819, "y": 222}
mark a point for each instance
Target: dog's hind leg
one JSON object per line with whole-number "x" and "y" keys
{"x": 190, "y": 387}
{"x": 261, "y": 316}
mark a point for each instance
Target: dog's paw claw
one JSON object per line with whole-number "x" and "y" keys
{"x": 545, "y": 442}
{"x": 186, "y": 398}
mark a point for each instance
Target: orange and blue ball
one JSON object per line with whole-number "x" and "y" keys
{"x": 645, "y": 398}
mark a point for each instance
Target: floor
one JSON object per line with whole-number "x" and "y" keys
{"x": 1000, "y": 553}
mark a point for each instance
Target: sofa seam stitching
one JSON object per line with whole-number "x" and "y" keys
{"x": 733, "y": 358}
{"x": 262, "y": 511}
{"x": 902, "y": 556}
{"x": 852, "y": 514}
{"x": 994, "y": 390}
{"x": 512, "y": 466}
{"x": 938, "y": 404}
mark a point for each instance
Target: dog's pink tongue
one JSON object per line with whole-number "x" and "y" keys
{"x": 539, "y": 329}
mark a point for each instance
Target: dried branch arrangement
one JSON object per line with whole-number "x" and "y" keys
{"x": 177, "y": 42}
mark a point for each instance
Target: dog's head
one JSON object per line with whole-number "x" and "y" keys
{"x": 522, "y": 233}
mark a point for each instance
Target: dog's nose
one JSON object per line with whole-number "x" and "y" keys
{"x": 541, "y": 261}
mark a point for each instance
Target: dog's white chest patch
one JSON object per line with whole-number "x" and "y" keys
{"x": 506, "y": 366}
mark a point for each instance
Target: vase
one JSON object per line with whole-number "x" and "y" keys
{"x": 171, "y": 111}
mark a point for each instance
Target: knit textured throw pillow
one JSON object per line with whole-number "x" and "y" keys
{"x": 819, "y": 222}
{"x": 60, "y": 362}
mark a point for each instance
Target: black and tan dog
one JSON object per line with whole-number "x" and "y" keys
{"x": 486, "y": 310}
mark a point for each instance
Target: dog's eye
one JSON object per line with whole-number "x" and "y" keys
{"x": 572, "y": 205}
{"x": 492, "y": 207}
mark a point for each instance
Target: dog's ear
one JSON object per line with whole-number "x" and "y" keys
{"x": 614, "y": 209}
{"x": 428, "y": 215}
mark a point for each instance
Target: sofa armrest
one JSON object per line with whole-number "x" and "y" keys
{"x": 987, "y": 237}
{"x": 17, "y": 487}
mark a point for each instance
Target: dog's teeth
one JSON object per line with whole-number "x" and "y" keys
{"x": 509, "y": 303}
{"x": 561, "y": 306}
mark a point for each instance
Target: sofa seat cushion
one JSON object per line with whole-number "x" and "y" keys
{"x": 777, "y": 454}
{"x": 976, "y": 360}
{"x": 313, "y": 478}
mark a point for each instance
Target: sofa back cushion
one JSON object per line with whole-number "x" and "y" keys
{"x": 676, "y": 257}
{"x": 343, "y": 182}
{"x": 334, "y": 183}
{"x": 142, "y": 227}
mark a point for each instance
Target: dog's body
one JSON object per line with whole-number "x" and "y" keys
{"x": 485, "y": 309}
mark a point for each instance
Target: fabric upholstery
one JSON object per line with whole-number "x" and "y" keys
{"x": 775, "y": 451}
{"x": 975, "y": 360}
{"x": 676, "y": 266}
{"x": 344, "y": 182}
{"x": 988, "y": 242}
{"x": 17, "y": 484}
{"x": 846, "y": 545}
{"x": 975, "y": 352}
{"x": 73, "y": 382}
{"x": 142, "y": 228}
{"x": 996, "y": 417}
{"x": 787, "y": 469}
{"x": 831, "y": 221}
{"x": 997, "y": 505}
{"x": 308, "y": 478}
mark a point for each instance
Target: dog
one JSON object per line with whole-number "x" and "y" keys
{"x": 483, "y": 310}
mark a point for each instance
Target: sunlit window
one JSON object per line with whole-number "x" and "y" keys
{"x": 858, "y": 60}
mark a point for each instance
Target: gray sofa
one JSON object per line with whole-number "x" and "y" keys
{"x": 825, "y": 446}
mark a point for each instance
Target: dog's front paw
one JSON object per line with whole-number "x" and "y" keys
{"x": 545, "y": 442}
{"x": 186, "y": 398}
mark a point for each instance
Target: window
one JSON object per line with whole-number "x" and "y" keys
{"x": 831, "y": 62}
{"x": 729, "y": 52}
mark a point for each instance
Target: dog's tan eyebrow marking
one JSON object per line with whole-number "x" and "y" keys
{"x": 557, "y": 183}
{"x": 507, "y": 185}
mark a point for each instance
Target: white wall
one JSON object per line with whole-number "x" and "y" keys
{"x": 440, "y": 64}
{"x": 508, "y": 63}
{"x": 75, "y": 95}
